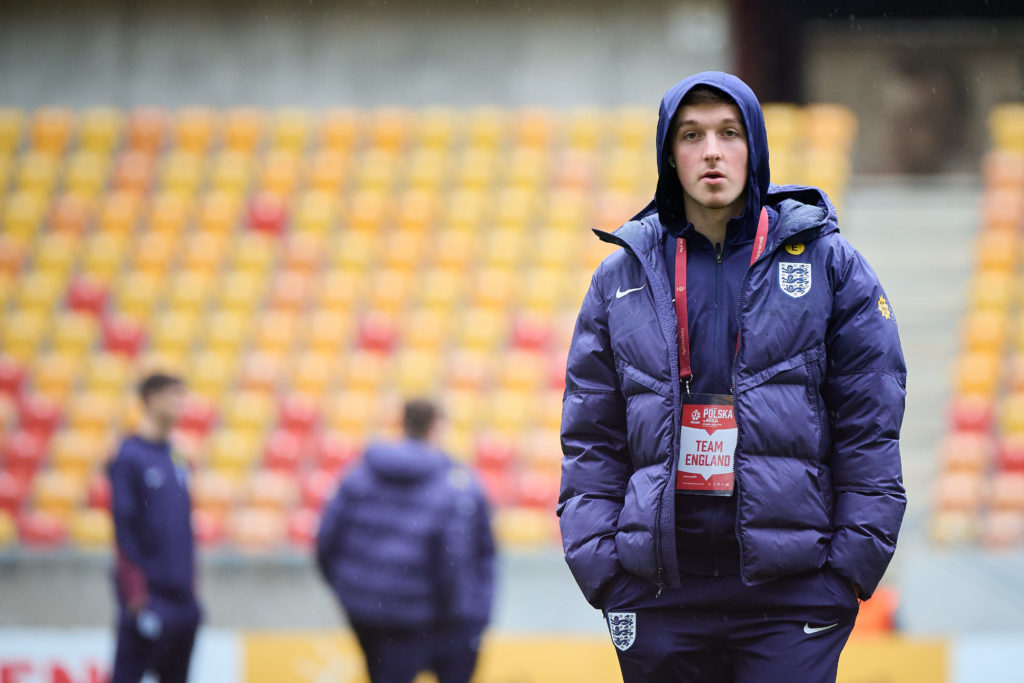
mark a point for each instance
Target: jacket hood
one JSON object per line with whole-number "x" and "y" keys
{"x": 668, "y": 198}
{"x": 406, "y": 461}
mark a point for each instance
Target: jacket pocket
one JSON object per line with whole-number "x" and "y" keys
{"x": 634, "y": 380}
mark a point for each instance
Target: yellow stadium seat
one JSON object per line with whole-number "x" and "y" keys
{"x": 585, "y": 127}
{"x": 93, "y": 411}
{"x": 417, "y": 372}
{"x": 271, "y": 491}
{"x": 633, "y": 126}
{"x": 23, "y": 332}
{"x": 41, "y": 290}
{"x": 541, "y": 289}
{"x": 56, "y": 252}
{"x": 427, "y": 169}
{"x": 171, "y": 211}
{"x": 494, "y": 287}
{"x": 388, "y": 127}
{"x": 440, "y": 288}
{"x": 390, "y": 289}
{"x": 523, "y": 370}
{"x": 173, "y": 331}
{"x": 22, "y": 214}
{"x": 55, "y": 374}
{"x": 8, "y": 530}
{"x": 511, "y": 411}
{"x": 340, "y": 128}
{"x": 1003, "y": 209}
{"x": 248, "y": 411}
{"x": 74, "y": 333}
{"x": 566, "y": 211}
{"x": 233, "y": 452}
{"x": 181, "y": 172}
{"x": 377, "y": 170}
{"x": 351, "y": 411}
{"x": 291, "y": 128}
{"x": 829, "y": 126}
{"x": 977, "y": 373}
{"x": 154, "y": 251}
{"x": 991, "y": 290}
{"x": 134, "y": 171}
{"x": 71, "y": 214}
{"x": 203, "y": 252}
{"x": 518, "y": 527}
{"x": 257, "y": 531}
{"x": 985, "y": 331}
{"x": 218, "y": 212}
{"x": 623, "y": 172}
{"x": 92, "y": 529}
{"x": 1013, "y": 414}
{"x": 195, "y": 129}
{"x": 163, "y": 361}
{"x": 118, "y": 212}
{"x": 535, "y": 126}
{"x": 784, "y": 124}
{"x": 515, "y": 209}
{"x": 137, "y": 293}
{"x": 1006, "y": 124}
{"x": 327, "y": 171}
{"x": 455, "y": 249}
{"x": 476, "y": 168}
{"x": 328, "y": 331}
{"x": 57, "y": 493}
{"x": 437, "y": 127}
{"x": 78, "y": 452}
{"x": 102, "y": 255}
{"x": 550, "y": 417}
{"x": 368, "y": 211}
{"x": 227, "y": 331}
{"x": 37, "y": 173}
{"x": 355, "y": 251}
{"x": 99, "y": 129}
{"x": 215, "y": 491}
{"x": 364, "y": 371}
{"x": 466, "y": 209}
{"x": 504, "y": 248}
{"x": 261, "y": 372}
{"x": 312, "y": 372}
{"x": 954, "y": 526}
{"x": 426, "y": 329}
{"x": 527, "y": 170}
{"x": 108, "y": 372}
{"x": 86, "y": 174}
{"x": 241, "y": 290}
{"x": 280, "y": 171}
{"x": 462, "y": 408}
{"x": 417, "y": 211}
{"x": 51, "y": 129}
{"x": 231, "y": 172}
{"x": 470, "y": 369}
{"x": 486, "y": 127}
{"x": 212, "y": 371}
{"x": 12, "y": 122}
{"x": 315, "y": 212}
{"x": 276, "y": 331}
{"x": 189, "y": 290}
{"x": 254, "y": 252}
{"x": 243, "y": 128}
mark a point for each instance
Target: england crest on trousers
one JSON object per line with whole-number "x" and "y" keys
{"x": 622, "y": 626}
{"x": 795, "y": 278}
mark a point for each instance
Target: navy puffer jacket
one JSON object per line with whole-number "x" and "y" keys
{"x": 819, "y": 396}
{"x": 406, "y": 542}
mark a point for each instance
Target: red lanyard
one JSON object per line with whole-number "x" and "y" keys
{"x": 760, "y": 239}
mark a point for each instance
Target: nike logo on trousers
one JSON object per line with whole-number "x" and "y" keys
{"x": 808, "y": 629}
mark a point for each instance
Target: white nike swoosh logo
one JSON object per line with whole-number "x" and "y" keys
{"x": 808, "y": 629}
{"x": 619, "y": 293}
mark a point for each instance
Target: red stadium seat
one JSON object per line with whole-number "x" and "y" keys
{"x": 122, "y": 335}
{"x": 1011, "y": 453}
{"x": 12, "y": 376}
{"x": 299, "y": 414}
{"x": 98, "y": 494}
{"x": 284, "y": 451}
{"x": 23, "y": 453}
{"x": 335, "y": 451}
{"x": 972, "y": 412}
{"x": 39, "y": 414}
{"x": 302, "y": 527}
{"x": 494, "y": 452}
{"x": 538, "y": 490}
{"x": 317, "y": 487}
{"x": 268, "y": 213}
{"x": 209, "y": 527}
{"x": 14, "y": 490}
{"x": 500, "y": 487}
{"x": 86, "y": 295}
{"x": 198, "y": 416}
{"x": 38, "y": 529}
{"x": 378, "y": 332}
{"x": 531, "y": 331}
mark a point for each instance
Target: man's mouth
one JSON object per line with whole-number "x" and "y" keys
{"x": 713, "y": 174}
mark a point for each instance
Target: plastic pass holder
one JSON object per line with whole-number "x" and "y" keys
{"x": 707, "y": 445}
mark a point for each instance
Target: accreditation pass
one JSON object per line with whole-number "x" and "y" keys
{"x": 707, "y": 444}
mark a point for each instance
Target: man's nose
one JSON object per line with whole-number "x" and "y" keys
{"x": 711, "y": 150}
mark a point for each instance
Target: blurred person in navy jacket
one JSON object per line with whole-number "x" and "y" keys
{"x": 406, "y": 546}
{"x": 154, "y": 574}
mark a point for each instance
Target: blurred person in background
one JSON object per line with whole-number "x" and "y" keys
{"x": 155, "y": 565}
{"x": 406, "y": 546}
{"x": 731, "y": 477}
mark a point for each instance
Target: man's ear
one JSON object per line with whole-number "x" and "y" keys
{"x": 672, "y": 162}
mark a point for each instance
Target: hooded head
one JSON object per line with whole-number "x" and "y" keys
{"x": 668, "y": 198}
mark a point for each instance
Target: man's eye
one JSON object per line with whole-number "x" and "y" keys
{"x": 690, "y": 135}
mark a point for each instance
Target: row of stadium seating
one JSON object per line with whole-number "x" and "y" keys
{"x": 305, "y": 271}
{"x": 979, "y": 496}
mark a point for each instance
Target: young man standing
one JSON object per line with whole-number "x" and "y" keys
{"x": 155, "y": 570}
{"x": 731, "y": 479}
{"x": 406, "y": 545}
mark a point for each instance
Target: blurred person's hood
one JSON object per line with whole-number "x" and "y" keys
{"x": 668, "y": 198}
{"x": 407, "y": 460}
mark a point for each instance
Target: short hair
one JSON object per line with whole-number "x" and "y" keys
{"x": 418, "y": 418}
{"x": 157, "y": 382}
{"x": 699, "y": 94}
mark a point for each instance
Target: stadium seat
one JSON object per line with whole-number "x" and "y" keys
{"x": 260, "y": 372}
{"x": 8, "y": 530}
{"x": 243, "y": 128}
{"x": 181, "y": 173}
{"x": 14, "y": 488}
{"x": 524, "y": 527}
{"x": 22, "y": 333}
{"x": 146, "y": 129}
{"x": 977, "y": 373}
{"x": 470, "y": 369}
{"x": 122, "y": 335}
{"x": 215, "y": 491}
{"x": 967, "y": 451}
{"x": 284, "y": 451}
{"x": 39, "y": 414}
{"x": 1010, "y": 453}
{"x": 267, "y": 213}
{"x": 388, "y": 128}
{"x": 118, "y": 212}
{"x": 93, "y": 411}
{"x": 959, "y": 491}
{"x": 231, "y": 173}
{"x": 377, "y": 332}
{"x": 248, "y": 411}
{"x": 57, "y": 493}
{"x": 195, "y": 129}
{"x": 313, "y": 372}
{"x": 271, "y": 490}
{"x": 134, "y": 172}
{"x": 12, "y": 376}
{"x": 173, "y": 331}
{"x": 42, "y": 530}
{"x": 12, "y": 125}
{"x": 334, "y": 450}
{"x": 1007, "y": 492}
{"x": 254, "y": 252}
{"x": 51, "y": 129}
{"x": 256, "y": 530}
{"x": 79, "y": 451}
{"x": 71, "y": 214}
{"x": 22, "y": 214}
{"x": 298, "y": 414}
{"x": 102, "y": 257}
{"x": 86, "y": 295}
{"x": 280, "y": 172}
{"x": 1002, "y": 529}
{"x": 55, "y": 374}
{"x": 1012, "y": 419}
{"x": 338, "y": 290}
{"x": 198, "y": 416}
{"x": 426, "y": 329}
{"x": 302, "y": 528}
{"x": 327, "y": 172}
{"x": 209, "y": 528}
{"x": 232, "y": 452}
{"x": 317, "y": 486}
{"x": 290, "y": 291}
{"x": 91, "y": 529}
{"x": 97, "y": 494}
{"x": 340, "y": 128}
{"x": 351, "y": 411}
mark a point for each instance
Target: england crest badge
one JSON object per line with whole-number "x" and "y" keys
{"x": 622, "y": 626}
{"x": 795, "y": 278}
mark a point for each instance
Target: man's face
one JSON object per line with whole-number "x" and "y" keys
{"x": 165, "y": 406}
{"x": 710, "y": 152}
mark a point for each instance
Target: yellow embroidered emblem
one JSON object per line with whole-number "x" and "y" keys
{"x": 883, "y": 307}
{"x": 795, "y": 249}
